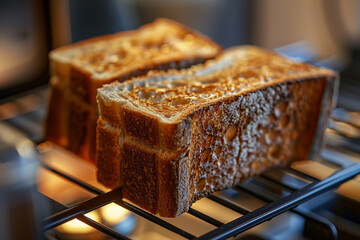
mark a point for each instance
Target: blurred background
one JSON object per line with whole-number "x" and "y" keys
{"x": 322, "y": 32}
{"x": 29, "y": 29}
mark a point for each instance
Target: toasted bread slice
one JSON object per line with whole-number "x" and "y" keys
{"x": 170, "y": 139}
{"x": 162, "y": 44}
{"x": 83, "y": 67}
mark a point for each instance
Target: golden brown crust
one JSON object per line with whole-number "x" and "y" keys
{"x": 156, "y": 181}
{"x": 110, "y": 111}
{"x": 173, "y": 185}
{"x": 108, "y": 155}
{"x": 174, "y": 137}
{"x": 140, "y": 126}
{"x": 140, "y": 179}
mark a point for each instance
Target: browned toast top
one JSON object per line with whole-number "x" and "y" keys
{"x": 153, "y": 44}
{"x": 239, "y": 70}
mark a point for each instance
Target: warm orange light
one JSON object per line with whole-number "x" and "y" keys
{"x": 113, "y": 213}
{"x": 75, "y": 226}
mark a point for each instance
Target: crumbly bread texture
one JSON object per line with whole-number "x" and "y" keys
{"x": 79, "y": 69}
{"x": 171, "y": 139}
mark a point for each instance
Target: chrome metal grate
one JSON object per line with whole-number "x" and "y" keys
{"x": 295, "y": 196}
{"x": 281, "y": 189}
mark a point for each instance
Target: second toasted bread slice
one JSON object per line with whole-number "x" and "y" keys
{"x": 79, "y": 69}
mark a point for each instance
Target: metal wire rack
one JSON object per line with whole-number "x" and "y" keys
{"x": 249, "y": 220}
{"x": 280, "y": 194}
{"x": 281, "y": 189}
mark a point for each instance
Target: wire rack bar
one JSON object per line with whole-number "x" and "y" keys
{"x": 228, "y": 204}
{"x": 302, "y": 174}
{"x": 58, "y": 218}
{"x": 293, "y": 185}
{"x": 275, "y": 208}
{"x": 82, "y": 184}
{"x": 103, "y": 228}
{"x": 154, "y": 219}
{"x": 329, "y": 226}
{"x": 81, "y": 208}
{"x": 205, "y": 217}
